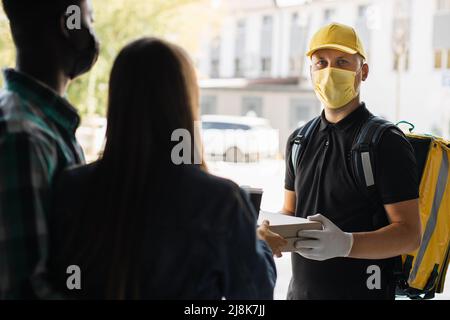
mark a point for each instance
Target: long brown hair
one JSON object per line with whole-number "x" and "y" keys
{"x": 153, "y": 91}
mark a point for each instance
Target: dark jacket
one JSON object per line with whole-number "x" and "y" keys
{"x": 200, "y": 239}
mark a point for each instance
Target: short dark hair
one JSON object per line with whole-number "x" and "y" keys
{"x": 24, "y": 12}
{"x": 32, "y": 21}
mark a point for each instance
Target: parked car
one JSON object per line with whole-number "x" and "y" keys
{"x": 238, "y": 139}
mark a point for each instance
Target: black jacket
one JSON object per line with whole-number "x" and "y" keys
{"x": 200, "y": 239}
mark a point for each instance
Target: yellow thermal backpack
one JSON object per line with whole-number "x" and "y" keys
{"x": 424, "y": 270}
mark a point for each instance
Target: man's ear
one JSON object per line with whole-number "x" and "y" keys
{"x": 365, "y": 71}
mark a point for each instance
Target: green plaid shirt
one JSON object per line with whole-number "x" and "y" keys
{"x": 37, "y": 140}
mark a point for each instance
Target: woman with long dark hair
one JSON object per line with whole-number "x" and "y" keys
{"x": 136, "y": 224}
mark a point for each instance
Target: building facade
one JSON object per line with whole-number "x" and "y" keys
{"x": 255, "y": 59}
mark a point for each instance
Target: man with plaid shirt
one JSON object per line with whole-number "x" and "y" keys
{"x": 37, "y": 133}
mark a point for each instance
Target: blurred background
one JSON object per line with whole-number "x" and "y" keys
{"x": 254, "y": 76}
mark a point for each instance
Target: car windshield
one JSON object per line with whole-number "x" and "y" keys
{"x": 207, "y": 125}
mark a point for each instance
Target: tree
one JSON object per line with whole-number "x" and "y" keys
{"x": 117, "y": 22}
{"x": 6, "y": 47}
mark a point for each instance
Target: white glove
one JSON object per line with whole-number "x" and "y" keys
{"x": 331, "y": 242}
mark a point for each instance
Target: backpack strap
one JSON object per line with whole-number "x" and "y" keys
{"x": 363, "y": 160}
{"x": 363, "y": 153}
{"x": 301, "y": 140}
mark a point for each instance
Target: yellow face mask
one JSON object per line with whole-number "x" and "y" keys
{"x": 335, "y": 87}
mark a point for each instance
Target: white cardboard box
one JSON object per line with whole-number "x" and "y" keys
{"x": 287, "y": 226}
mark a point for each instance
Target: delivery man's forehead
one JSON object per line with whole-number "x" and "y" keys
{"x": 333, "y": 54}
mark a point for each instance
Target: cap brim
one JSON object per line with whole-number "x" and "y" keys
{"x": 332, "y": 46}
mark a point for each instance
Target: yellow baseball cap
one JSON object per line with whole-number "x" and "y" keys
{"x": 336, "y": 36}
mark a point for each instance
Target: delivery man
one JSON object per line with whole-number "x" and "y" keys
{"x": 341, "y": 261}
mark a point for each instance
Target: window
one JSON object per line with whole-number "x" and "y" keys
{"x": 240, "y": 48}
{"x": 267, "y": 21}
{"x": 208, "y": 105}
{"x": 215, "y": 58}
{"x": 362, "y": 11}
{"x": 437, "y": 58}
{"x": 441, "y": 40}
{"x": 215, "y": 64}
{"x": 328, "y": 15}
{"x": 238, "y": 72}
{"x": 443, "y": 6}
{"x": 362, "y": 27}
{"x": 297, "y": 43}
{"x": 252, "y": 106}
{"x": 295, "y": 19}
{"x": 266, "y": 44}
{"x": 401, "y": 34}
{"x": 266, "y": 65}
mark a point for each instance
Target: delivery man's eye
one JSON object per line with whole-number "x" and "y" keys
{"x": 321, "y": 63}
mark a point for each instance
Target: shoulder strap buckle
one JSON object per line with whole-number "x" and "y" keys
{"x": 298, "y": 139}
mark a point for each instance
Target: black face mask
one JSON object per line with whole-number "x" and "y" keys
{"x": 85, "y": 50}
